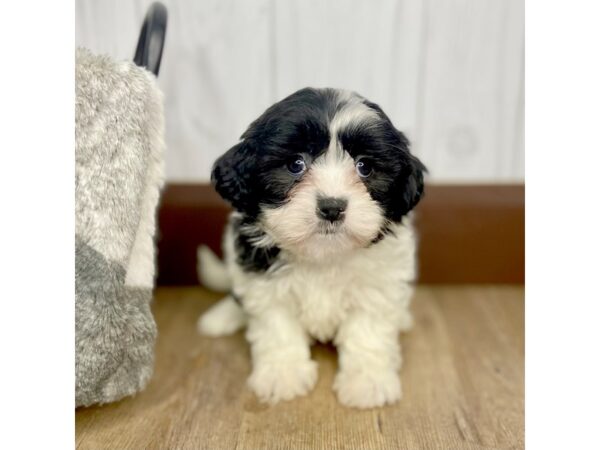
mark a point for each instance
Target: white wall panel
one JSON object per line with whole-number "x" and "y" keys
{"x": 448, "y": 72}
{"x": 473, "y": 73}
{"x": 369, "y": 47}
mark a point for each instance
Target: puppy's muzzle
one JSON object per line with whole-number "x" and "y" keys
{"x": 331, "y": 209}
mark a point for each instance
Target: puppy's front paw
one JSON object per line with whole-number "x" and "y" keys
{"x": 367, "y": 389}
{"x": 276, "y": 381}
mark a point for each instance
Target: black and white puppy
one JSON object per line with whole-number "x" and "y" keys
{"x": 320, "y": 245}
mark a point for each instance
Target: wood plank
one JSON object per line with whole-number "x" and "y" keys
{"x": 467, "y": 234}
{"x": 462, "y": 381}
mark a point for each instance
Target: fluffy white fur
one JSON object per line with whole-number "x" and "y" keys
{"x": 330, "y": 285}
{"x": 359, "y": 300}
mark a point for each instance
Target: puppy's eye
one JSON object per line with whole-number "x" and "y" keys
{"x": 296, "y": 165}
{"x": 363, "y": 168}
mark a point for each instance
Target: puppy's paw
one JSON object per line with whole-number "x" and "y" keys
{"x": 367, "y": 389}
{"x": 276, "y": 381}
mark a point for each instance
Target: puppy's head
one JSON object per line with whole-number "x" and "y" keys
{"x": 321, "y": 172}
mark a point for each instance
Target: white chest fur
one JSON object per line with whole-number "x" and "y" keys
{"x": 360, "y": 301}
{"x": 321, "y": 295}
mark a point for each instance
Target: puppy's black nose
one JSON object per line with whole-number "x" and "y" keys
{"x": 330, "y": 208}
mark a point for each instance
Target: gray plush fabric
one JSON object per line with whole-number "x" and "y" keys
{"x": 118, "y": 175}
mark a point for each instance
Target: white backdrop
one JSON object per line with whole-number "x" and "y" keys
{"x": 448, "y": 72}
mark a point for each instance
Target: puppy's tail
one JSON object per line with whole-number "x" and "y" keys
{"x": 212, "y": 271}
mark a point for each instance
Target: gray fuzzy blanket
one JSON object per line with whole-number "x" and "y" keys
{"x": 119, "y": 174}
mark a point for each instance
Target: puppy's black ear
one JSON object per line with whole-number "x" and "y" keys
{"x": 233, "y": 175}
{"x": 409, "y": 185}
{"x": 413, "y": 187}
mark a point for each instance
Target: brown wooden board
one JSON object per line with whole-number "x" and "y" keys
{"x": 467, "y": 233}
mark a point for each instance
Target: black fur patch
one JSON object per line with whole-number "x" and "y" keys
{"x": 397, "y": 179}
{"x": 249, "y": 256}
{"x": 385, "y": 231}
{"x": 254, "y": 172}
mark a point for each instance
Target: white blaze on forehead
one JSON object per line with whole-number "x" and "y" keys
{"x": 352, "y": 112}
{"x": 334, "y": 175}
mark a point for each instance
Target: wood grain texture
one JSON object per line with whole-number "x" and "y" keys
{"x": 462, "y": 381}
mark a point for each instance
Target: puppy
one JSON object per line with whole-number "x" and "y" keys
{"x": 319, "y": 246}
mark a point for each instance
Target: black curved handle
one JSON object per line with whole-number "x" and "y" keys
{"x": 152, "y": 38}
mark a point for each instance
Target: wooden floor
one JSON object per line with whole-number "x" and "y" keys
{"x": 462, "y": 381}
